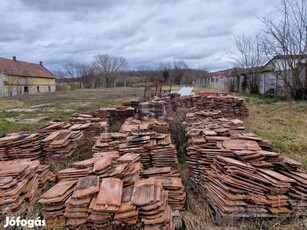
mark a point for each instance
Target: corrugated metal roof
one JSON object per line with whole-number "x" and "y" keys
{"x": 184, "y": 91}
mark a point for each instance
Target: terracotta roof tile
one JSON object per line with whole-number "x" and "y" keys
{"x": 20, "y": 68}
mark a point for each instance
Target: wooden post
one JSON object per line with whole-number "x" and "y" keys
{"x": 145, "y": 89}
{"x": 156, "y": 89}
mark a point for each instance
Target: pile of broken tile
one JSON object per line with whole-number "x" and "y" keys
{"x": 21, "y": 183}
{"x": 20, "y": 146}
{"x": 239, "y": 173}
{"x": 108, "y": 190}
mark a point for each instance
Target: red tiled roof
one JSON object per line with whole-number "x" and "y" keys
{"x": 20, "y": 68}
{"x": 221, "y": 74}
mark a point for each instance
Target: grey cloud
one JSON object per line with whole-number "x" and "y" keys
{"x": 146, "y": 32}
{"x": 71, "y": 5}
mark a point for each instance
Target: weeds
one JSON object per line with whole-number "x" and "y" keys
{"x": 178, "y": 135}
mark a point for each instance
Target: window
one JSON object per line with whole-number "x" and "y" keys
{"x": 37, "y": 89}
{"x": 25, "y": 89}
{"x": 49, "y": 88}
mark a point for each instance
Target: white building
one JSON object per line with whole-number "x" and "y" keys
{"x": 280, "y": 69}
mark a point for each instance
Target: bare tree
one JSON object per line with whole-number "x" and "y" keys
{"x": 109, "y": 66}
{"x": 79, "y": 74}
{"x": 166, "y": 69}
{"x": 60, "y": 79}
{"x": 179, "y": 69}
{"x": 86, "y": 74}
{"x": 71, "y": 73}
{"x": 249, "y": 59}
{"x": 286, "y": 39}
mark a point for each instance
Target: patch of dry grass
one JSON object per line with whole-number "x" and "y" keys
{"x": 285, "y": 127}
{"x": 17, "y": 112}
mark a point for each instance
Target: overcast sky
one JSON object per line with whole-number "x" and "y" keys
{"x": 145, "y": 32}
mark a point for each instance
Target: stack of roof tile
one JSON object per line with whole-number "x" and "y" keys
{"x": 237, "y": 187}
{"x": 20, "y": 146}
{"x": 54, "y": 203}
{"x": 160, "y": 126}
{"x": 139, "y": 149}
{"x": 171, "y": 182}
{"x": 21, "y": 180}
{"x": 106, "y": 164}
{"x": 77, "y": 206}
{"x": 193, "y": 117}
{"x": 106, "y": 203}
{"x": 139, "y": 137}
{"x": 82, "y": 118}
{"x": 159, "y": 151}
{"x": 163, "y": 154}
{"x": 158, "y": 155}
{"x": 109, "y": 142}
{"x": 132, "y": 103}
{"x": 151, "y": 201}
{"x": 157, "y": 107}
{"x": 62, "y": 144}
{"x": 229, "y": 106}
{"x": 52, "y": 126}
{"x": 127, "y": 214}
{"x": 145, "y": 125}
{"x": 107, "y": 190}
{"x": 88, "y": 123}
{"x": 239, "y": 172}
{"x": 132, "y": 124}
{"x": 104, "y": 196}
{"x": 115, "y": 114}
{"x": 167, "y": 105}
{"x": 298, "y": 191}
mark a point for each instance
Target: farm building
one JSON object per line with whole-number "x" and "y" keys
{"x": 275, "y": 72}
{"x": 19, "y": 77}
{"x": 271, "y": 77}
{"x": 219, "y": 79}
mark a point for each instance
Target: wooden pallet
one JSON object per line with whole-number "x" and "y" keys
{"x": 234, "y": 219}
